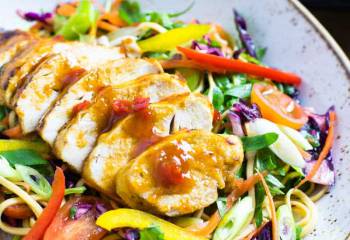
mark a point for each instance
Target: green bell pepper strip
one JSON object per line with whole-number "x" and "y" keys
{"x": 124, "y": 217}
{"x": 12, "y": 144}
{"x": 80, "y": 22}
{"x": 172, "y": 38}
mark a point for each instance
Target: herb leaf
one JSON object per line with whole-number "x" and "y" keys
{"x": 241, "y": 91}
{"x": 24, "y": 157}
{"x": 258, "y": 142}
{"x": 151, "y": 233}
{"x": 130, "y": 12}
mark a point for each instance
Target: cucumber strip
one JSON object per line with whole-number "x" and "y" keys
{"x": 284, "y": 148}
{"x": 296, "y": 137}
{"x": 286, "y": 224}
{"x": 235, "y": 219}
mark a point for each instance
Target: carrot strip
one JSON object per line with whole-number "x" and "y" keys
{"x": 15, "y": 132}
{"x": 106, "y": 26}
{"x": 45, "y": 219}
{"x": 255, "y": 232}
{"x": 186, "y": 63}
{"x": 232, "y": 65}
{"x": 275, "y": 235}
{"x": 66, "y": 9}
{"x": 114, "y": 19}
{"x": 326, "y": 148}
{"x": 241, "y": 187}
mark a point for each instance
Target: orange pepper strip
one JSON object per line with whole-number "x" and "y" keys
{"x": 106, "y": 26}
{"x": 275, "y": 234}
{"x": 326, "y": 148}
{"x": 48, "y": 214}
{"x": 233, "y": 65}
{"x": 15, "y": 132}
{"x": 241, "y": 188}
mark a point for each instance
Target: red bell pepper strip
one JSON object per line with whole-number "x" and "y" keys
{"x": 326, "y": 148}
{"x": 48, "y": 214}
{"x": 233, "y": 65}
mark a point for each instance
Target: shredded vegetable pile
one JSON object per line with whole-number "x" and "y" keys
{"x": 287, "y": 165}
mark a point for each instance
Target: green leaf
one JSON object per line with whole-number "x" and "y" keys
{"x": 3, "y": 112}
{"x": 267, "y": 160}
{"x": 192, "y": 76}
{"x": 271, "y": 180}
{"x": 298, "y": 231}
{"x": 130, "y": 12}
{"x": 80, "y": 22}
{"x": 241, "y": 91}
{"x": 24, "y": 157}
{"x": 151, "y": 233}
{"x": 223, "y": 82}
{"x": 260, "y": 53}
{"x": 218, "y": 98}
{"x": 239, "y": 79}
{"x": 258, "y": 142}
{"x": 72, "y": 211}
{"x": 259, "y": 198}
{"x": 222, "y": 203}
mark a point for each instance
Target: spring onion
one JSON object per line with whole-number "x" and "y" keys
{"x": 7, "y": 171}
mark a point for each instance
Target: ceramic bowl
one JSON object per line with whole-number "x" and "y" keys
{"x": 296, "y": 42}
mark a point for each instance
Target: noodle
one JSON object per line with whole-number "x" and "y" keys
{"x": 304, "y": 205}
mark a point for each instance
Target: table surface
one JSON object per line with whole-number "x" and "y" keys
{"x": 335, "y": 18}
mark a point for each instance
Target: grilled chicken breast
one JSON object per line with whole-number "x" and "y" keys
{"x": 40, "y": 88}
{"x": 181, "y": 173}
{"x": 76, "y": 54}
{"x": 76, "y": 140}
{"x": 132, "y": 135}
{"x": 112, "y": 73}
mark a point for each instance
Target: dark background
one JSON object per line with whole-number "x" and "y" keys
{"x": 335, "y": 16}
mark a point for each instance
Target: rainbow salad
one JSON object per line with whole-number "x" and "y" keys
{"x": 122, "y": 124}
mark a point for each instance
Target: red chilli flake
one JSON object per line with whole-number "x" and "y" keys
{"x": 81, "y": 106}
{"x": 122, "y": 107}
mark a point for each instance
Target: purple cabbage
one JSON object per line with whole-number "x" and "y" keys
{"x": 236, "y": 124}
{"x": 207, "y": 48}
{"x": 82, "y": 209}
{"x": 130, "y": 233}
{"x": 33, "y": 16}
{"x": 265, "y": 233}
{"x": 317, "y": 127}
{"x": 100, "y": 209}
{"x": 245, "y": 112}
{"x": 238, "y": 52}
{"x": 246, "y": 39}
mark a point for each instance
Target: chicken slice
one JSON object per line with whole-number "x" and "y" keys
{"x": 12, "y": 42}
{"x": 114, "y": 72}
{"x": 76, "y": 140}
{"x": 132, "y": 135}
{"x": 77, "y": 54}
{"x": 41, "y": 87}
{"x": 181, "y": 173}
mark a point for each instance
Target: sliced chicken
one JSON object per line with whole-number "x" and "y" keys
{"x": 41, "y": 87}
{"x": 76, "y": 140}
{"x": 112, "y": 73}
{"x": 138, "y": 131}
{"x": 181, "y": 173}
{"x": 12, "y": 42}
{"x": 77, "y": 54}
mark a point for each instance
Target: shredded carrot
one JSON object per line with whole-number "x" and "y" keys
{"x": 307, "y": 156}
{"x": 241, "y": 187}
{"x": 66, "y": 9}
{"x": 275, "y": 235}
{"x": 326, "y": 148}
{"x": 15, "y": 132}
{"x": 255, "y": 232}
{"x": 5, "y": 121}
{"x": 106, "y": 26}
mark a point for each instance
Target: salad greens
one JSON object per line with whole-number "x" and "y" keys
{"x": 151, "y": 233}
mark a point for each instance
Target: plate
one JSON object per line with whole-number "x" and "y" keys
{"x": 296, "y": 42}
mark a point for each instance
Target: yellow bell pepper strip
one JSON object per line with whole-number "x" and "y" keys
{"x": 172, "y": 38}
{"x": 12, "y": 144}
{"x": 124, "y": 217}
